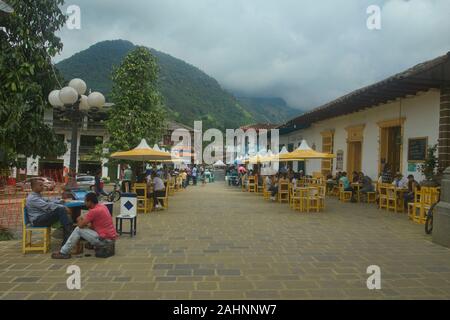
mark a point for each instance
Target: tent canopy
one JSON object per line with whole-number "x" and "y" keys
{"x": 142, "y": 153}
{"x": 304, "y": 152}
{"x": 219, "y": 163}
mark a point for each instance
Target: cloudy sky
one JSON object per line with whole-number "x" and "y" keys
{"x": 305, "y": 51}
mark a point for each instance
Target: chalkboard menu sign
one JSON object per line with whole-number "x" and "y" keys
{"x": 417, "y": 149}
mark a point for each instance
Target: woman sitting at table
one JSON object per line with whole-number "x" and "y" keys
{"x": 274, "y": 188}
{"x": 412, "y": 186}
{"x": 366, "y": 184}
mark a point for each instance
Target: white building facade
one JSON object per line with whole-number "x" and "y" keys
{"x": 417, "y": 117}
{"x": 393, "y": 121}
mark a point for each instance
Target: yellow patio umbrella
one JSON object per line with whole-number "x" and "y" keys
{"x": 142, "y": 153}
{"x": 304, "y": 152}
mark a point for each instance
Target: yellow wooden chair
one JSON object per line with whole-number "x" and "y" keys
{"x": 27, "y": 234}
{"x": 283, "y": 192}
{"x": 297, "y": 199}
{"x": 171, "y": 183}
{"x": 371, "y": 196}
{"x": 304, "y": 199}
{"x": 165, "y": 199}
{"x": 391, "y": 198}
{"x": 291, "y": 193}
{"x": 266, "y": 192}
{"x": 383, "y": 196}
{"x": 260, "y": 186}
{"x": 344, "y": 196}
{"x": 313, "y": 199}
{"x": 414, "y": 207}
{"x": 244, "y": 183}
{"x": 142, "y": 201}
{"x": 252, "y": 185}
{"x": 428, "y": 196}
{"x": 321, "y": 196}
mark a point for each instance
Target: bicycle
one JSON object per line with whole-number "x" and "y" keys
{"x": 115, "y": 194}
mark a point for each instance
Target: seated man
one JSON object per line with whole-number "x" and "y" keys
{"x": 43, "y": 212}
{"x": 400, "y": 181}
{"x": 96, "y": 227}
{"x": 367, "y": 185}
{"x": 409, "y": 196}
{"x": 159, "y": 190}
{"x": 346, "y": 184}
{"x": 273, "y": 188}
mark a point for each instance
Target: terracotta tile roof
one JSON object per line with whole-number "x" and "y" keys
{"x": 422, "y": 77}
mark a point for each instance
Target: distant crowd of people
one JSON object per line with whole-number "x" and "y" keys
{"x": 367, "y": 185}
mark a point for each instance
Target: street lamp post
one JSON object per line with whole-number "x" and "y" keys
{"x": 75, "y": 104}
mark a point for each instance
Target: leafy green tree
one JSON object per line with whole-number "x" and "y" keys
{"x": 138, "y": 111}
{"x": 26, "y": 77}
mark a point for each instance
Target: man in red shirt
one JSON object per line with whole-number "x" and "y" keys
{"x": 96, "y": 227}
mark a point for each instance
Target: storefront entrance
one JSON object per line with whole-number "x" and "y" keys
{"x": 391, "y": 133}
{"x": 354, "y": 148}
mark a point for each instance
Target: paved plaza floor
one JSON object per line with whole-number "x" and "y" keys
{"x": 216, "y": 242}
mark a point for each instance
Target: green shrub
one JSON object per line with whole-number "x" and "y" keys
{"x": 5, "y": 234}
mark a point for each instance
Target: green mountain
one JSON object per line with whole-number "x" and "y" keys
{"x": 269, "y": 110}
{"x": 189, "y": 93}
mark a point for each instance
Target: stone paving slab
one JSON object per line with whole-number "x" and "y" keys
{"x": 217, "y": 242}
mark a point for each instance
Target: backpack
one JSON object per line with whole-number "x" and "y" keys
{"x": 106, "y": 250}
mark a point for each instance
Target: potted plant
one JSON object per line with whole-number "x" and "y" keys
{"x": 430, "y": 168}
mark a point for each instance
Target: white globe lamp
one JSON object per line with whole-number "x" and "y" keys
{"x": 96, "y": 99}
{"x": 79, "y": 85}
{"x": 68, "y": 95}
{"x": 54, "y": 99}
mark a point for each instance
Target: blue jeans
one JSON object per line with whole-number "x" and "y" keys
{"x": 48, "y": 219}
{"x": 87, "y": 234}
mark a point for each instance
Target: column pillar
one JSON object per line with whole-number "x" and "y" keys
{"x": 441, "y": 214}
{"x": 444, "y": 128}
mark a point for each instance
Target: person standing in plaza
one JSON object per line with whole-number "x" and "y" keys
{"x": 127, "y": 177}
{"x": 184, "y": 176}
{"x": 194, "y": 175}
{"x": 99, "y": 185}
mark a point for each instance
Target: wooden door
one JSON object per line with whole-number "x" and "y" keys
{"x": 354, "y": 160}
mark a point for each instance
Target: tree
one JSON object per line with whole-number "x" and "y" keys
{"x": 26, "y": 77}
{"x": 138, "y": 111}
{"x": 430, "y": 168}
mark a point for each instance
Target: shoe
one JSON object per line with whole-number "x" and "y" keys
{"x": 59, "y": 255}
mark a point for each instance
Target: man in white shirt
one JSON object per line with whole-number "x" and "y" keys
{"x": 159, "y": 191}
{"x": 400, "y": 181}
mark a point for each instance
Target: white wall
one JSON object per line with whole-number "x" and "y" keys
{"x": 422, "y": 120}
